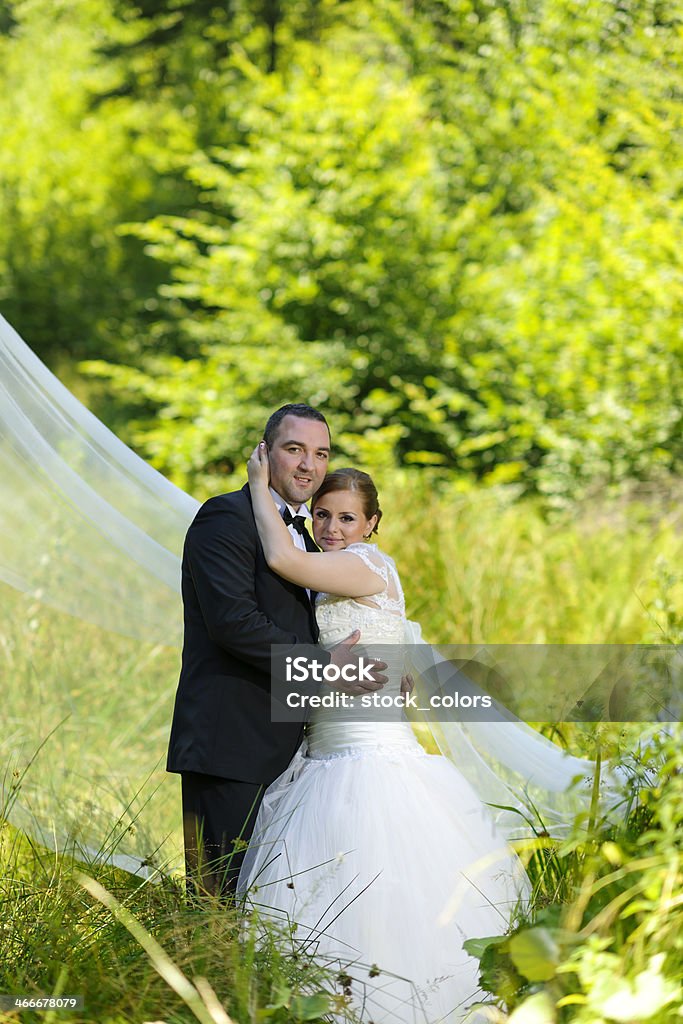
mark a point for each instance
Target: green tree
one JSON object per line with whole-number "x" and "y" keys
{"x": 71, "y": 172}
{"x": 457, "y": 226}
{"x": 455, "y": 223}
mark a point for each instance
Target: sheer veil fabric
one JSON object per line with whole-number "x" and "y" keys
{"x": 89, "y": 528}
{"x": 86, "y": 524}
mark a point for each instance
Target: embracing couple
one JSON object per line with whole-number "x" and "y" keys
{"x": 382, "y": 854}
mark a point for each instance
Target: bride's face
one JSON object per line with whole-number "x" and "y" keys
{"x": 339, "y": 520}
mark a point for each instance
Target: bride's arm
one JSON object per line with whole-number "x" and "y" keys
{"x": 332, "y": 572}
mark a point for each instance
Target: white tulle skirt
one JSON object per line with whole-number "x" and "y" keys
{"x": 386, "y": 860}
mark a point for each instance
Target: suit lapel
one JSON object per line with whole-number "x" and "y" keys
{"x": 309, "y": 542}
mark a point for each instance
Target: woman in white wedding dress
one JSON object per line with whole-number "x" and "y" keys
{"x": 382, "y": 854}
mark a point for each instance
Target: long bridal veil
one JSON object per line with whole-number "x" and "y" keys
{"x": 90, "y": 529}
{"x": 86, "y": 524}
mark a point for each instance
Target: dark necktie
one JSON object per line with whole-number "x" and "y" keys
{"x": 298, "y": 522}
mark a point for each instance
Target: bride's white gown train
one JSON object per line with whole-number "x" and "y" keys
{"x": 382, "y": 854}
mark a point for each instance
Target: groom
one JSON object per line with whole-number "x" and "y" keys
{"x": 223, "y": 742}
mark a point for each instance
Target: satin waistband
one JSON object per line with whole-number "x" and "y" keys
{"x": 333, "y": 737}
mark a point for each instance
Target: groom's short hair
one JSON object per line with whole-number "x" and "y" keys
{"x": 306, "y": 412}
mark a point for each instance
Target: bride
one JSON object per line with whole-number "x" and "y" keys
{"x": 381, "y": 854}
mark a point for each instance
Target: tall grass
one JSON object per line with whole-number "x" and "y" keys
{"x": 479, "y": 567}
{"x": 136, "y": 950}
{"x": 602, "y": 942}
{"x": 475, "y": 567}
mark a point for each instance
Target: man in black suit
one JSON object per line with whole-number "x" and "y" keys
{"x": 223, "y": 742}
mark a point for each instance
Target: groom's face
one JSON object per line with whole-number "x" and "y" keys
{"x": 298, "y": 459}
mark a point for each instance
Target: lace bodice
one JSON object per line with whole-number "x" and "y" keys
{"x": 331, "y": 610}
{"x": 382, "y": 624}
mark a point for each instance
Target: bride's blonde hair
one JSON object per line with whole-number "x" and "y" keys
{"x": 349, "y": 479}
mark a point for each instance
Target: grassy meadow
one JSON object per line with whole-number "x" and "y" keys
{"x": 86, "y": 718}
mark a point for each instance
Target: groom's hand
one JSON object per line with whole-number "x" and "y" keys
{"x": 343, "y": 655}
{"x": 407, "y": 683}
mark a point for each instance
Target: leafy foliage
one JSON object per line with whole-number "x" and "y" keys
{"x": 69, "y": 176}
{"x": 454, "y": 224}
{"x": 613, "y": 951}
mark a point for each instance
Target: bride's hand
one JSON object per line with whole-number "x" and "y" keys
{"x": 258, "y": 469}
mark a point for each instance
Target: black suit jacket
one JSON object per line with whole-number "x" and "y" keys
{"x": 235, "y": 607}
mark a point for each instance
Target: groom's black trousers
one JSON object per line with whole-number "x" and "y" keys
{"x": 218, "y": 820}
